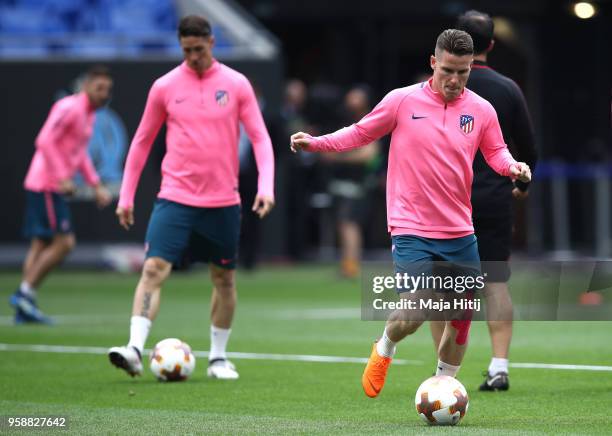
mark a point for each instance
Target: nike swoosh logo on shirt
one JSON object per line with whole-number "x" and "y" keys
{"x": 180, "y": 100}
{"x": 414, "y": 117}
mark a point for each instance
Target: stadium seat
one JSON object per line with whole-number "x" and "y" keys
{"x": 104, "y": 28}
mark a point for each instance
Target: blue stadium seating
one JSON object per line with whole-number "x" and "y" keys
{"x": 89, "y": 28}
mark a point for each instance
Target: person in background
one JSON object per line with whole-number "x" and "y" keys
{"x": 61, "y": 152}
{"x": 250, "y": 227}
{"x": 492, "y": 195}
{"x": 300, "y": 169}
{"x": 350, "y": 173}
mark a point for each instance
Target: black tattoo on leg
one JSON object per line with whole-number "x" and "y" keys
{"x": 146, "y": 304}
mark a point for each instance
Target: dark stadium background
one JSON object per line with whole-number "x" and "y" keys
{"x": 561, "y": 62}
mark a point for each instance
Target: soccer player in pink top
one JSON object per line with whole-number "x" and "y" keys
{"x": 202, "y": 103}
{"x": 436, "y": 128}
{"x": 61, "y": 151}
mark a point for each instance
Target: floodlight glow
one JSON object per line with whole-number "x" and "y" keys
{"x": 584, "y": 10}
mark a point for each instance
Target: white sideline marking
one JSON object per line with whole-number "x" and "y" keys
{"x": 234, "y": 355}
{"x": 561, "y": 366}
{"x": 74, "y": 319}
{"x": 308, "y": 314}
{"x": 324, "y": 313}
{"x": 283, "y": 357}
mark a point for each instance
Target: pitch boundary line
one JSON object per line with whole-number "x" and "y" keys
{"x": 560, "y": 366}
{"x": 68, "y": 349}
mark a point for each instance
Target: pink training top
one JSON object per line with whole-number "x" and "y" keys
{"x": 433, "y": 145}
{"x": 202, "y": 115}
{"x": 61, "y": 145}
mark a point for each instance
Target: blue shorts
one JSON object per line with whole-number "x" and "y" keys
{"x": 46, "y": 214}
{"x": 177, "y": 232}
{"x": 418, "y": 256}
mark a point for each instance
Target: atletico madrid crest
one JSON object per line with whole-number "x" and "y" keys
{"x": 222, "y": 97}
{"x": 466, "y": 123}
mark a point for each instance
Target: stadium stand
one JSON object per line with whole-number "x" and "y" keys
{"x": 94, "y": 29}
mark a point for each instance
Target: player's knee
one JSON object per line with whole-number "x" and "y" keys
{"x": 66, "y": 242}
{"x": 224, "y": 280}
{"x": 155, "y": 270}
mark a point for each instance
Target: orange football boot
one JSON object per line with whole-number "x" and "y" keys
{"x": 375, "y": 372}
{"x": 350, "y": 268}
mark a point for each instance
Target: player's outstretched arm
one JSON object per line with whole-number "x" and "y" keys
{"x": 520, "y": 171}
{"x": 376, "y": 124}
{"x": 300, "y": 141}
{"x": 125, "y": 216}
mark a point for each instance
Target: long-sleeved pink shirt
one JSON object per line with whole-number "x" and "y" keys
{"x": 61, "y": 145}
{"x": 202, "y": 116}
{"x": 433, "y": 145}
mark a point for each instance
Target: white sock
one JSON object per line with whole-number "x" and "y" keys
{"x": 218, "y": 342}
{"x": 446, "y": 369}
{"x": 139, "y": 330}
{"x": 385, "y": 347}
{"x": 27, "y": 290}
{"x": 498, "y": 365}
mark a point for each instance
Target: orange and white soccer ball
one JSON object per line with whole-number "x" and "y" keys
{"x": 172, "y": 360}
{"x": 441, "y": 400}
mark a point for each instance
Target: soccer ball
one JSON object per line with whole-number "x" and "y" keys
{"x": 172, "y": 360}
{"x": 441, "y": 400}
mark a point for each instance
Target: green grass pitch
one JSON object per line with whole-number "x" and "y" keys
{"x": 303, "y": 310}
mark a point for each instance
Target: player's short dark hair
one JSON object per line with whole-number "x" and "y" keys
{"x": 480, "y": 27}
{"x": 455, "y": 42}
{"x": 97, "y": 71}
{"x": 194, "y": 25}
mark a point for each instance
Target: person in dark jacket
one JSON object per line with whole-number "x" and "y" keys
{"x": 492, "y": 194}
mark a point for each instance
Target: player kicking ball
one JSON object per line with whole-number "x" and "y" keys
{"x": 202, "y": 103}
{"x": 436, "y": 128}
